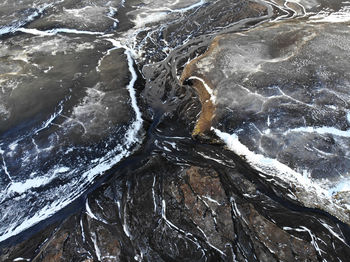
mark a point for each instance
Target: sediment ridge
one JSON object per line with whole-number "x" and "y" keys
{"x": 198, "y": 82}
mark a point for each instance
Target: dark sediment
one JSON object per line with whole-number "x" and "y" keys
{"x": 167, "y": 212}
{"x": 178, "y": 198}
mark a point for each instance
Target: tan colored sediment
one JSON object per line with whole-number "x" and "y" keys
{"x": 207, "y": 114}
{"x": 190, "y": 67}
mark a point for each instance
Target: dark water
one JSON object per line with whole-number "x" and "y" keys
{"x": 91, "y": 88}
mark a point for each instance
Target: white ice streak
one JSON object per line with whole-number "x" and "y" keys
{"x": 211, "y": 158}
{"x": 88, "y": 210}
{"x": 211, "y": 245}
{"x": 21, "y": 259}
{"x": 341, "y": 186}
{"x": 143, "y": 19}
{"x": 333, "y": 233}
{"x": 304, "y": 185}
{"x": 82, "y": 230}
{"x": 55, "y": 31}
{"x": 320, "y": 130}
{"x": 4, "y": 165}
{"x": 188, "y": 8}
{"x": 154, "y": 194}
{"x": 188, "y": 235}
{"x": 173, "y": 145}
{"x": 37, "y": 182}
{"x": 48, "y": 122}
{"x": 14, "y": 27}
{"x": 313, "y": 240}
{"x": 13, "y": 145}
{"x": 36, "y": 218}
{"x": 112, "y": 12}
{"x": 156, "y": 15}
{"x": 313, "y": 237}
{"x": 103, "y": 165}
{"x": 235, "y": 209}
{"x": 97, "y": 249}
{"x": 263, "y": 163}
{"x": 212, "y": 200}
{"x": 4, "y": 112}
{"x": 166, "y": 220}
{"x": 209, "y": 90}
{"x": 125, "y": 226}
{"x": 135, "y": 128}
{"x": 341, "y": 16}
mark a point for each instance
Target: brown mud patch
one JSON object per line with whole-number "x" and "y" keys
{"x": 207, "y": 114}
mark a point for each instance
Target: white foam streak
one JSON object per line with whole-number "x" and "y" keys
{"x": 74, "y": 31}
{"x": 33, "y": 31}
